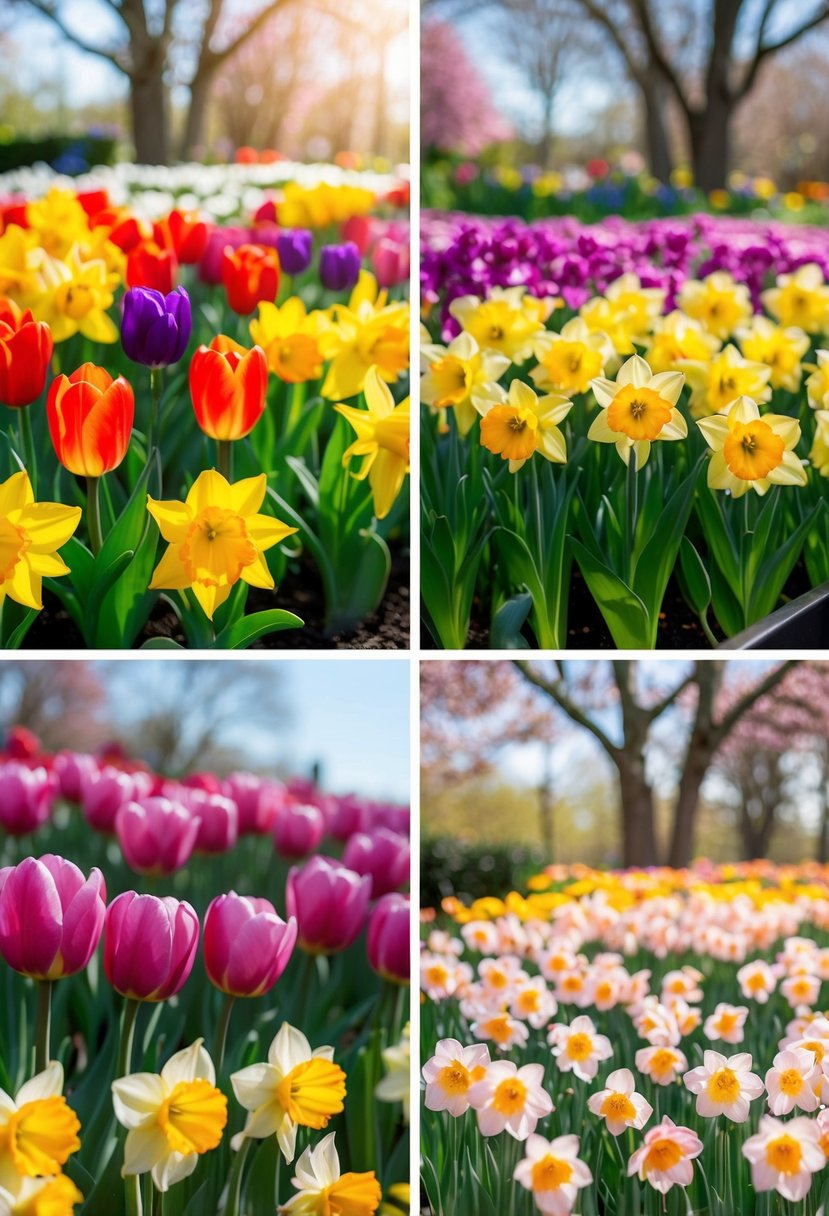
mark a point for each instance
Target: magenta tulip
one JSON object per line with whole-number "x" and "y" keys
{"x": 246, "y": 945}
{"x": 390, "y": 260}
{"x": 389, "y": 930}
{"x": 349, "y": 815}
{"x": 149, "y": 945}
{"x": 51, "y": 917}
{"x": 104, "y": 791}
{"x": 330, "y": 903}
{"x": 381, "y": 854}
{"x": 70, "y": 769}
{"x": 298, "y": 831}
{"x": 246, "y": 790}
{"x": 156, "y": 835}
{"x": 26, "y": 797}
{"x": 217, "y": 818}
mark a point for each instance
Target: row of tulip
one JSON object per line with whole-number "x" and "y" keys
{"x": 630, "y": 1043}
{"x": 281, "y": 398}
{"x": 735, "y": 386}
{"x": 200, "y": 1131}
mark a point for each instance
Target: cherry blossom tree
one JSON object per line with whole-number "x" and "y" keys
{"x": 457, "y": 113}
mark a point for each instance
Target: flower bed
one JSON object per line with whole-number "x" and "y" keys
{"x": 215, "y": 1053}
{"x": 587, "y": 347}
{"x": 630, "y": 1043}
{"x": 198, "y": 411}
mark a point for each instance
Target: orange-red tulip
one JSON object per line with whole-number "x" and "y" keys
{"x": 228, "y": 385}
{"x": 148, "y": 265}
{"x": 125, "y": 230}
{"x": 25, "y": 351}
{"x": 90, "y": 420}
{"x": 185, "y": 234}
{"x": 250, "y": 275}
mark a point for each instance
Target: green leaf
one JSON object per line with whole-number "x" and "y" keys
{"x": 697, "y": 584}
{"x": 623, "y": 611}
{"x": 244, "y": 632}
{"x": 18, "y": 634}
{"x": 161, "y": 644}
{"x": 508, "y": 621}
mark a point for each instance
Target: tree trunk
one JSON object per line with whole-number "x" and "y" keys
{"x": 638, "y": 814}
{"x": 148, "y": 106}
{"x": 660, "y": 161}
{"x": 710, "y": 132}
{"x": 687, "y": 804}
{"x": 545, "y": 807}
{"x": 196, "y": 113}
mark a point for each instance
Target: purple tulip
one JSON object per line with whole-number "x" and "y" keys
{"x": 51, "y": 917}
{"x": 246, "y": 945}
{"x": 298, "y": 831}
{"x": 295, "y": 247}
{"x": 104, "y": 792}
{"x": 155, "y": 329}
{"x": 26, "y": 797}
{"x": 156, "y": 835}
{"x": 387, "y": 942}
{"x": 340, "y": 266}
{"x": 330, "y": 903}
{"x": 149, "y": 945}
{"x": 381, "y": 854}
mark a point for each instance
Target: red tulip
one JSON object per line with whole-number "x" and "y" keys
{"x": 185, "y": 233}
{"x": 90, "y": 419}
{"x": 228, "y": 385}
{"x": 148, "y": 265}
{"x": 25, "y": 351}
{"x": 250, "y": 275}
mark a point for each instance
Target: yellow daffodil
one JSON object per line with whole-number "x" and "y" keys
{"x": 38, "y": 1130}
{"x": 58, "y": 220}
{"x": 750, "y": 451}
{"x": 297, "y": 1087}
{"x": 30, "y": 535}
{"x": 55, "y": 1196}
{"x": 817, "y": 384}
{"x": 172, "y": 1118}
{"x": 395, "y": 1086}
{"x": 20, "y": 261}
{"x": 216, "y": 537}
{"x": 619, "y": 324}
{"x": 819, "y": 455}
{"x": 676, "y": 337}
{"x": 643, "y": 304}
{"x": 570, "y": 359}
{"x": 398, "y": 1200}
{"x": 507, "y": 322}
{"x": 454, "y": 372}
{"x": 383, "y": 438}
{"x": 290, "y": 338}
{"x": 75, "y": 297}
{"x": 518, "y": 423}
{"x": 801, "y": 299}
{"x": 323, "y": 1191}
{"x": 638, "y": 408}
{"x": 366, "y": 332}
{"x": 780, "y": 348}
{"x": 715, "y": 384}
{"x": 718, "y": 302}
{"x": 321, "y": 205}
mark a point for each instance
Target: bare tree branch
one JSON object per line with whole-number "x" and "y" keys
{"x": 764, "y": 50}
{"x": 557, "y": 690}
{"x": 47, "y": 10}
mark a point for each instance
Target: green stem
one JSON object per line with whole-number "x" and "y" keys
{"x": 224, "y": 458}
{"x": 43, "y": 1024}
{"x": 28, "y": 444}
{"x": 93, "y": 513}
{"x": 132, "y": 1195}
{"x": 707, "y": 630}
{"x": 131, "y": 1008}
{"x": 296, "y": 406}
{"x": 632, "y": 513}
{"x": 221, "y": 1032}
{"x": 158, "y": 1202}
{"x": 234, "y": 1186}
{"x": 156, "y": 388}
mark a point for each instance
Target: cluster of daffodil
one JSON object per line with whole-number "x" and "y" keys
{"x": 705, "y": 380}
{"x": 273, "y": 358}
{"x": 634, "y": 1042}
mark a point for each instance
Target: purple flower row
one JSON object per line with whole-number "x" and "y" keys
{"x": 469, "y": 255}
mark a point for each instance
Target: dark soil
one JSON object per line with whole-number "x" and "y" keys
{"x": 299, "y": 592}
{"x": 679, "y": 628}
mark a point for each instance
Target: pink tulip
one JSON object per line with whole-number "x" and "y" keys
{"x": 218, "y": 821}
{"x": 258, "y": 801}
{"x": 51, "y": 917}
{"x": 70, "y": 769}
{"x": 104, "y": 791}
{"x": 381, "y": 854}
{"x": 390, "y": 260}
{"x": 149, "y": 945}
{"x": 156, "y": 835}
{"x": 395, "y": 818}
{"x": 330, "y": 903}
{"x": 389, "y": 927}
{"x": 349, "y": 815}
{"x": 298, "y": 831}
{"x": 210, "y": 267}
{"x": 246, "y": 945}
{"x": 26, "y": 796}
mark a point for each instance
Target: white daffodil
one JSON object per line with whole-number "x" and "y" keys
{"x": 395, "y": 1086}
{"x": 322, "y": 1189}
{"x": 38, "y": 1130}
{"x": 172, "y": 1117}
{"x": 297, "y": 1087}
